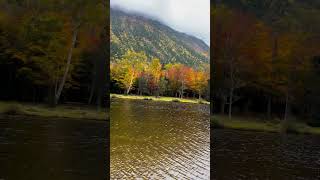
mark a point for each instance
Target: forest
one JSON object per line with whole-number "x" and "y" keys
{"x": 135, "y": 73}
{"x": 54, "y": 51}
{"x": 266, "y": 59}
{"x": 149, "y": 58}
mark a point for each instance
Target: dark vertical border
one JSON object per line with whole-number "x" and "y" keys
{"x": 107, "y": 89}
{"x": 212, "y": 70}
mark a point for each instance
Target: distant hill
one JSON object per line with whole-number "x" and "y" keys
{"x": 140, "y": 33}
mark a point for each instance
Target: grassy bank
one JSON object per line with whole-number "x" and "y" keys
{"x": 253, "y": 124}
{"x": 153, "y": 98}
{"x": 61, "y": 111}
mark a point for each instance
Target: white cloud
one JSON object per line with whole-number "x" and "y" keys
{"x": 188, "y": 16}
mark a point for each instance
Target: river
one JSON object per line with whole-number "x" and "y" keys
{"x": 261, "y": 155}
{"x": 159, "y": 140}
{"x": 52, "y": 149}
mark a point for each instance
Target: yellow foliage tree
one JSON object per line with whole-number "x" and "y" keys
{"x": 126, "y": 70}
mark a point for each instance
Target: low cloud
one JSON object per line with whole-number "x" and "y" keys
{"x": 188, "y": 16}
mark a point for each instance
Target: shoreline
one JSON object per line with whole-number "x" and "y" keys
{"x": 161, "y": 98}
{"x": 247, "y": 124}
{"x": 37, "y": 117}
{"x": 16, "y": 109}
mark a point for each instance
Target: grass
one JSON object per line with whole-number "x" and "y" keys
{"x": 243, "y": 124}
{"x": 302, "y": 128}
{"x": 61, "y": 111}
{"x": 153, "y": 98}
{"x": 254, "y": 124}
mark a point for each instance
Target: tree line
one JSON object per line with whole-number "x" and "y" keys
{"x": 265, "y": 65}
{"x": 54, "y": 51}
{"x": 135, "y": 73}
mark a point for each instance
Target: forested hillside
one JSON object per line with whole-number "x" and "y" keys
{"x": 139, "y": 33}
{"x": 266, "y": 58}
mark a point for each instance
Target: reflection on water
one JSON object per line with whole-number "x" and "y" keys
{"x": 33, "y": 149}
{"x": 258, "y": 155}
{"x": 158, "y": 140}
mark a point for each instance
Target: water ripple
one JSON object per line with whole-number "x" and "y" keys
{"x": 159, "y": 140}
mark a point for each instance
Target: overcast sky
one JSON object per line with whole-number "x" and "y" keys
{"x": 188, "y": 16}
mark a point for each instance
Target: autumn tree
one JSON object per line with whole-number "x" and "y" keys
{"x": 45, "y": 45}
{"x": 155, "y": 70}
{"x": 81, "y": 13}
{"x": 177, "y": 76}
{"x": 127, "y": 69}
{"x": 197, "y": 81}
{"x": 47, "y": 38}
{"x": 231, "y": 37}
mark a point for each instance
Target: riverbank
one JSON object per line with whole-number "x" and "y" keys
{"x": 161, "y": 98}
{"x": 60, "y": 111}
{"x": 252, "y": 124}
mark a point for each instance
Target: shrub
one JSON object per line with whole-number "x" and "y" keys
{"x": 291, "y": 127}
{"x": 216, "y": 124}
{"x": 201, "y": 102}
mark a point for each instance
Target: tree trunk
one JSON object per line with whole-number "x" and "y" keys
{"x": 232, "y": 84}
{"x": 287, "y": 107}
{"x": 51, "y": 96}
{"x": 93, "y": 83}
{"x": 128, "y": 90}
{"x": 223, "y": 102}
{"x": 230, "y": 102}
{"x": 182, "y": 91}
{"x": 91, "y": 93}
{"x": 56, "y": 85}
{"x": 130, "y": 85}
{"x": 269, "y": 108}
{"x": 99, "y": 99}
{"x": 74, "y": 40}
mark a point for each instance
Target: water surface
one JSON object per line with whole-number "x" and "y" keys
{"x": 39, "y": 148}
{"x": 159, "y": 140}
{"x": 261, "y": 155}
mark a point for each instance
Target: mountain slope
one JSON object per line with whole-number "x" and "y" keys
{"x": 139, "y": 33}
